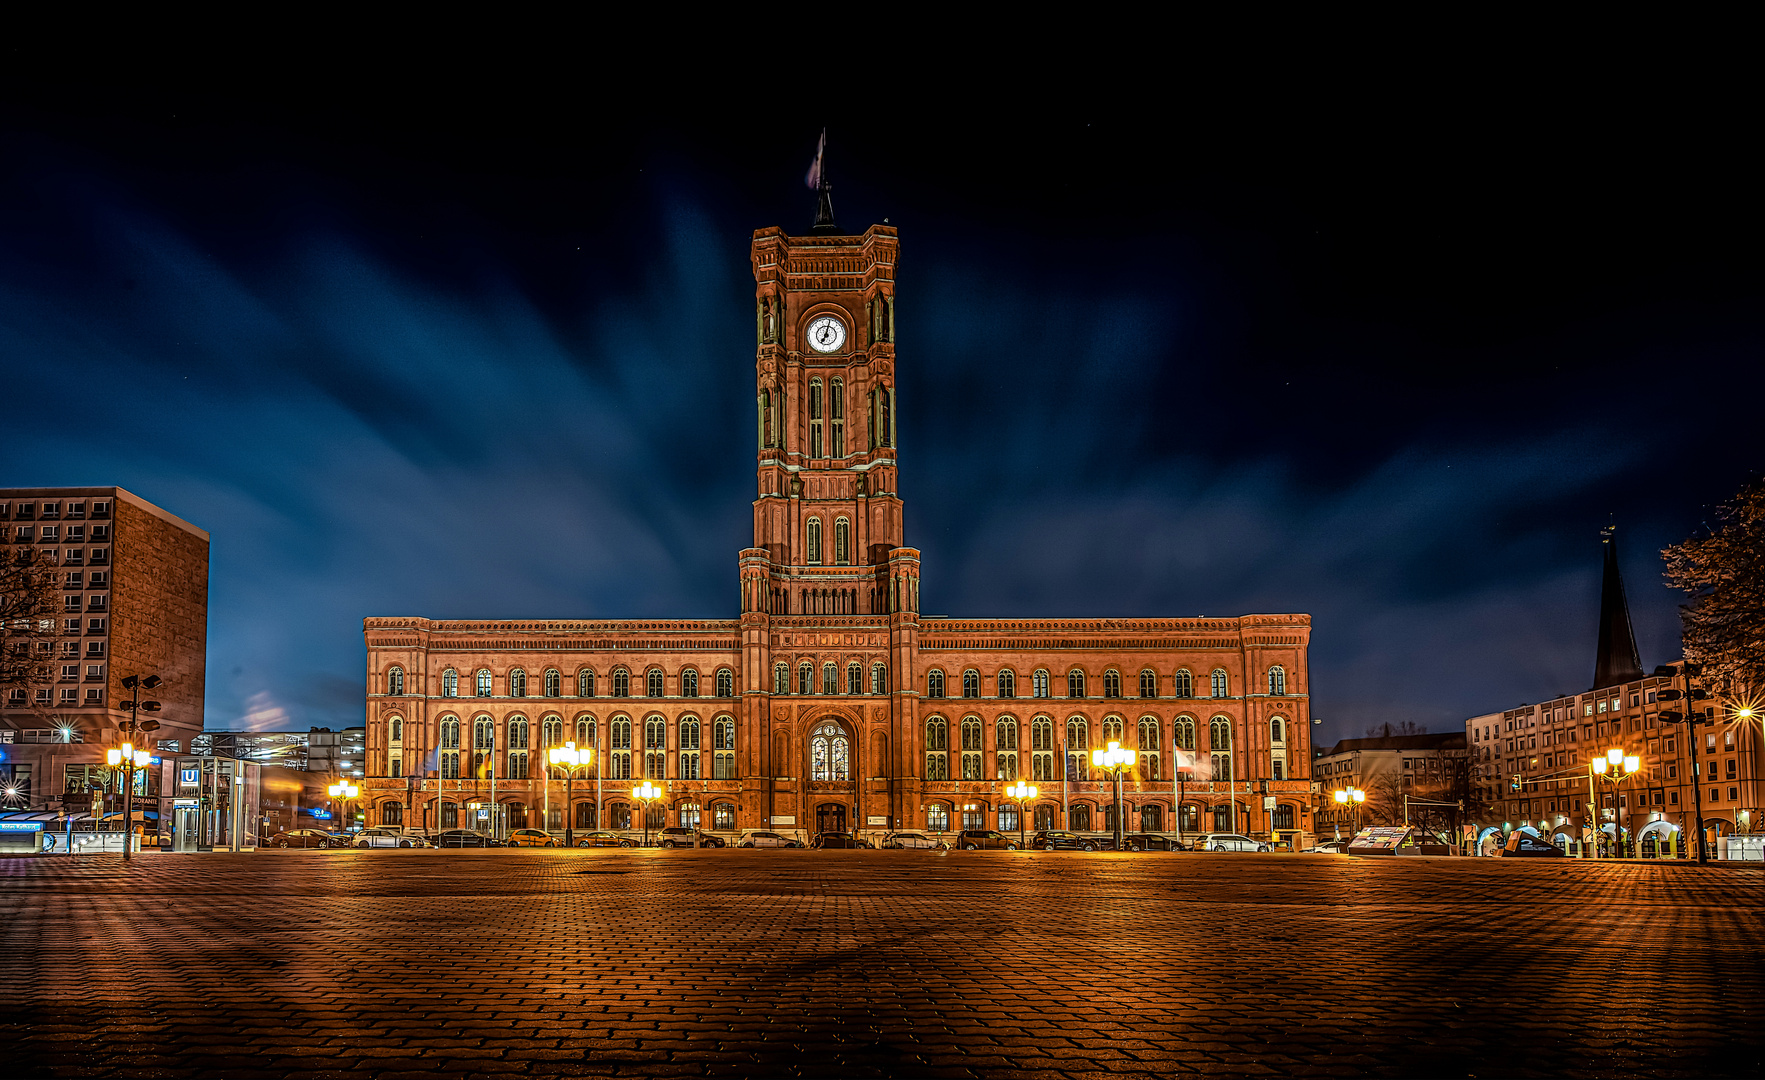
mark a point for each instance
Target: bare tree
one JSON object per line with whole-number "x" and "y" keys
{"x": 1723, "y": 624}
{"x": 30, "y": 604}
{"x": 1388, "y": 729}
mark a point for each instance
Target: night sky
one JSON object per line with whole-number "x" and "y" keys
{"x": 1389, "y": 353}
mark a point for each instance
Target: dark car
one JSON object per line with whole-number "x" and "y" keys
{"x": 1520, "y": 845}
{"x": 463, "y": 838}
{"x": 976, "y": 839}
{"x": 838, "y": 840}
{"x": 680, "y": 836}
{"x": 1055, "y": 840}
{"x": 604, "y": 839}
{"x": 899, "y": 840}
{"x": 1144, "y": 841}
{"x": 763, "y": 838}
{"x": 303, "y": 838}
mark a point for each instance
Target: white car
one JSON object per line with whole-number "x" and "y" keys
{"x": 768, "y": 839}
{"x": 386, "y": 838}
{"x": 1225, "y": 841}
{"x": 914, "y": 840}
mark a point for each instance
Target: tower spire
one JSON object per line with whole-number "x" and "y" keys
{"x": 817, "y": 179}
{"x": 1617, "y": 662}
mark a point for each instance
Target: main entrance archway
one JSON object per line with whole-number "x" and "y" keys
{"x": 830, "y": 817}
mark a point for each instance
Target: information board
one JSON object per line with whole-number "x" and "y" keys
{"x": 1378, "y": 840}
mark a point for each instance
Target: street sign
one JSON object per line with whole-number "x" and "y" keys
{"x": 1268, "y": 802}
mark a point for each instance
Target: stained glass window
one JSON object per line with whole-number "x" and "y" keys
{"x": 830, "y": 754}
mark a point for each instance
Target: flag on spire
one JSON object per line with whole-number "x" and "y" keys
{"x": 814, "y": 177}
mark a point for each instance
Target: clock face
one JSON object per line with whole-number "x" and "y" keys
{"x": 827, "y": 334}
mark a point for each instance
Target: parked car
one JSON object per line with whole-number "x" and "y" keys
{"x": 1221, "y": 841}
{"x": 899, "y": 840}
{"x": 1520, "y": 845}
{"x": 767, "y": 839}
{"x": 1056, "y": 840}
{"x": 303, "y": 838}
{"x": 1144, "y": 841}
{"x": 532, "y": 838}
{"x": 1329, "y": 847}
{"x": 680, "y": 836}
{"x": 976, "y": 839}
{"x": 603, "y": 839}
{"x": 838, "y": 840}
{"x": 463, "y": 838}
{"x": 383, "y": 837}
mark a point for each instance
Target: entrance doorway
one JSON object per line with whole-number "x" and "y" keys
{"x": 186, "y": 827}
{"x": 830, "y": 817}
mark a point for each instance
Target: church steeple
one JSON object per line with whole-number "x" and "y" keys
{"x": 1617, "y": 662}
{"x": 817, "y": 178}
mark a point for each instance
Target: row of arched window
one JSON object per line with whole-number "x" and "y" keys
{"x": 842, "y": 542}
{"x": 620, "y": 759}
{"x": 551, "y": 684}
{"x": 827, "y": 418}
{"x": 829, "y": 681}
{"x": 1077, "y": 683}
{"x": 966, "y": 761}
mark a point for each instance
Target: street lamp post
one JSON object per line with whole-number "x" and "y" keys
{"x": 346, "y": 791}
{"x": 128, "y": 757}
{"x": 647, "y": 793}
{"x": 1351, "y": 796}
{"x": 1687, "y": 671}
{"x": 1114, "y": 760}
{"x": 1021, "y": 792}
{"x": 569, "y": 758}
{"x": 1617, "y": 767}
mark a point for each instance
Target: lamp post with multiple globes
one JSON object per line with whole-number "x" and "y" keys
{"x": 569, "y": 758}
{"x": 127, "y": 757}
{"x": 1617, "y": 767}
{"x": 1114, "y": 760}
{"x": 346, "y": 791}
{"x": 1022, "y": 792}
{"x": 647, "y": 793}
{"x": 1351, "y": 796}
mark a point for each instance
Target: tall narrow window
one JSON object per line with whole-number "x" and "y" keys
{"x": 830, "y": 679}
{"x": 1185, "y": 732}
{"x": 1041, "y": 748}
{"x": 450, "y": 748}
{"x": 879, "y": 679}
{"x": 1277, "y": 680}
{"x": 842, "y": 542}
{"x": 1112, "y": 731}
{"x": 1112, "y": 683}
{"x": 836, "y": 409}
{"x": 934, "y": 684}
{"x": 814, "y": 541}
{"x": 781, "y": 678}
{"x": 1078, "y": 749}
{"x": 971, "y": 748}
{"x": 1184, "y": 683}
{"x": 688, "y": 756}
{"x": 1075, "y": 683}
{"x": 1219, "y": 745}
{"x": 725, "y": 682}
{"x": 655, "y": 748}
{"x": 937, "y": 749}
{"x": 517, "y": 683}
{"x": 653, "y": 681}
{"x": 689, "y": 683}
{"x": 585, "y": 729}
{"x": 395, "y": 681}
{"x": 830, "y": 753}
{"x": 450, "y": 683}
{"x": 1150, "y": 743}
{"x": 1039, "y": 683}
{"x": 1005, "y": 747}
{"x": 621, "y": 682}
{"x": 483, "y": 682}
{"x": 1220, "y": 686}
{"x": 971, "y": 683}
{"x": 814, "y": 417}
{"x": 885, "y": 415}
{"x": 395, "y": 731}
{"x": 554, "y": 682}
{"x": 854, "y": 679}
{"x": 585, "y": 683}
{"x": 768, "y": 430}
{"x": 552, "y": 731}
{"x": 619, "y": 741}
{"x": 725, "y": 749}
{"x": 1008, "y": 683}
{"x": 1148, "y": 683}
{"x": 1278, "y": 747}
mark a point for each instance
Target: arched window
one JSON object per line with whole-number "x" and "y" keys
{"x": 836, "y": 409}
{"x": 689, "y": 683}
{"x": 1219, "y": 745}
{"x": 554, "y": 682}
{"x": 781, "y": 678}
{"x": 1045, "y": 817}
{"x": 971, "y": 748}
{"x": 1112, "y": 731}
{"x": 395, "y": 681}
{"x": 1042, "y": 748}
{"x": 450, "y": 748}
{"x": 1148, "y": 683}
{"x": 937, "y": 749}
{"x": 724, "y": 764}
{"x": 937, "y": 817}
{"x": 842, "y": 542}
{"x": 653, "y": 682}
{"x": 395, "y": 730}
{"x": 619, "y": 752}
{"x": 1277, "y": 730}
{"x": 1150, "y": 744}
{"x": 552, "y": 732}
{"x": 830, "y": 754}
{"x": 723, "y": 817}
{"x": 1078, "y": 818}
{"x": 585, "y": 730}
{"x": 450, "y": 683}
{"x": 934, "y": 684}
{"x": 621, "y": 682}
{"x": 1112, "y": 683}
{"x": 688, "y": 756}
{"x": 518, "y": 736}
{"x": 1185, "y": 732}
{"x": 971, "y": 683}
{"x": 391, "y": 814}
{"x": 814, "y": 541}
{"x": 517, "y": 683}
{"x": 1220, "y": 686}
{"x": 585, "y": 683}
{"x": 725, "y": 682}
{"x": 1278, "y": 747}
{"x": 483, "y": 682}
{"x": 1078, "y": 749}
{"x": 854, "y": 679}
{"x": 814, "y": 422}
{"x": 1075, "y": 683}
{"x": 618, "y": 815}
{"x": 766, "y": 425}
{"x": 1277, "y": 680}
{"x": 879, "y": 679}
{"x": 655, "y": 748}
{"x": 1185, "y": 683}
{"x": 1007, "y": 683}
{"x": 885, "y": 411}
{"x": 805, "y": 678}
{"x": 1005, "y": 747}
{"x": 1152, "y": 818}
{"x": 830, "y": 679}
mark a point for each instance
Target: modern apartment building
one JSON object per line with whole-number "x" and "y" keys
{"x": 1429, "y": 767}
{"x": 133, "y": 579}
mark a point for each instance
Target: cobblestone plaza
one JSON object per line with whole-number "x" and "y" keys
{"x": 859, "y": 963}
